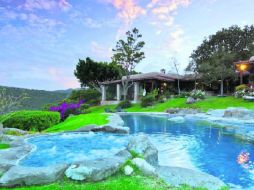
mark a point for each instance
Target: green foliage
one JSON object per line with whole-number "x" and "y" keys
{"x": 214, "y": 58}
{"x": 124, "y": 104}
{"x": 116, "y": 182}
{"x": 90, "y": 73}
{"x": 34, "y": 99}
{"x": 135, "y": 154}
{"x": 8, "y": 101}
{"x": 30, "y": 120}
{"x": 90, "y": 96}
{"x": 13, "y": 133}
{"x": 149, "y": 99}
{"x": 241, "y": 87}
{"x": 197, "y": 94}
{"x": 84, "y": 106}
{"x": 4, "y": 146}
{"x": 251, "y": 78}
{"x": 128, "y": 54}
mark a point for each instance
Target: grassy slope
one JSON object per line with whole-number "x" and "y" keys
{"x": 75, "y": 122}
{"x": 4, "y": 146}
{"x": 208, "y": 103}
{"x": 118, "y": 182}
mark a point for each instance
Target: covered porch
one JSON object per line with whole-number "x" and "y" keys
{"x": 112, "y": 91}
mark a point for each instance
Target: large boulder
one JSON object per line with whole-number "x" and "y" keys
{"x": 20, "y": 175}
{"x": 14, "y": 131}
{"x": 190, "y": 100}
{"x": 99, "y": 169}
{"x": 140, "y": 144}
{"x": 183, "y": 111}
{"x": 240, "y": 113}
{"x": 176, "y": 176}
{"x": 144, "y": 167}
{"x": 177, "y": 119}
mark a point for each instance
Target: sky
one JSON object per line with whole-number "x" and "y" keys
{"x": 41, "y": 41}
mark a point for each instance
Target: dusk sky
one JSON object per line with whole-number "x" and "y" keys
{"x": 42, "y": 40}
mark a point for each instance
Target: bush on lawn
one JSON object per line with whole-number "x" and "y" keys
{"x": 66, "y": 109}
{"x": 241, "y": 87}
{"x": 197, "y": 94}
{"x": 148, "y": 100}
{"x": 30, "y": 120}
{"x": 124, "y": 104}
{"x": 92, "y": 97}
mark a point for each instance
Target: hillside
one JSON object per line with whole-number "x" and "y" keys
{"x": 36, "y": 98}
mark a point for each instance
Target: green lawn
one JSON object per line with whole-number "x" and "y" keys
{"x": 118, "y": 182}
{"x": 75, "y": 122}
{"x": 96, "y": 116}
{"x": 208, "y": 103}
{"x": 4, "y": 146}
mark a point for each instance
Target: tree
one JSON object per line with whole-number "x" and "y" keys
{"x": 175, "y": 65}
{"x": 219, "y": 67}
{"x": 91, "y": 73}
{"x": 217, "y": 53}
{"x": 9, "y": 102}
{"x": 128, "y": 54}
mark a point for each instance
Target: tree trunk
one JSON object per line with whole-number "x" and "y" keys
{"x": 221, "y": 88}
{"x": 178, "y": 84}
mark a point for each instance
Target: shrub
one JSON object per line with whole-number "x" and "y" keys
{"x": 197, "y": 94}
{"x": 241, "y": 87}
{"x": 91, "y": 96}
{"x": 31, "y": 120}
{"x": 183, "y": 94}
{"x": 124, "y": 104}
{"x": 65, "y": 109}
{"x": 84, "y": 106}
{"x": 148, "y": 100}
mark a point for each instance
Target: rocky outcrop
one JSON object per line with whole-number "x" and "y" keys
{"x": 240, "y": 113}
{"x": 96, "y": 170}
{"x": 176, "y": 176}
{"x": 190, "y": 100}
{"x": 19, "y": 175}
{"x": 141, "y": 145}
{"x": 183, "y": 111}
{"x": 115, "y": 125}
{"x": 144, "y": 167}
{"x": 106, "y": 129}
{"x": 177, "y": 119}
{"x": 14, "y": 131}
{"x": 128, "y": 170}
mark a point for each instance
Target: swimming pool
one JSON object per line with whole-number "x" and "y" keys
{"x": 69, "y": 148}
{"x": 195, "y": 144}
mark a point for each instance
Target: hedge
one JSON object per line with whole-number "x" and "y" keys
{"x": 30, "y": 120}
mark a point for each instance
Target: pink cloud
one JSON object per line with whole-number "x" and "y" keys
{"x": 128, "y": 11}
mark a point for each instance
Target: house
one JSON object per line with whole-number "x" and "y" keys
{"x": 244, "y": 69}
{"x": 143, "y": 84}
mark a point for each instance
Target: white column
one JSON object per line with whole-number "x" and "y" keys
{"x": 136, "y": 91}
{"x": 118, "y": 92}
{"x": 103, "y": 93}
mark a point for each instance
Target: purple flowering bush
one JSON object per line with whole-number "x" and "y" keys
{"x": 65, "y": 109}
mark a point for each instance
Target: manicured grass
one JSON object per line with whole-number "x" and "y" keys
{"x": 4, "y": 146}
{"x": 118, "y": 182}
{"x": 75, "y": 122}
{"x": 208, "y": 103}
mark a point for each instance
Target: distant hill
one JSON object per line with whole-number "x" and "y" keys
{"x": 37, "y": 98}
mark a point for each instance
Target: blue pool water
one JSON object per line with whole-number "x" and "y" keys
{"x": 193, "y": 144}
{"x": 196, "y": 145}
{"x": 72, "y": 147}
